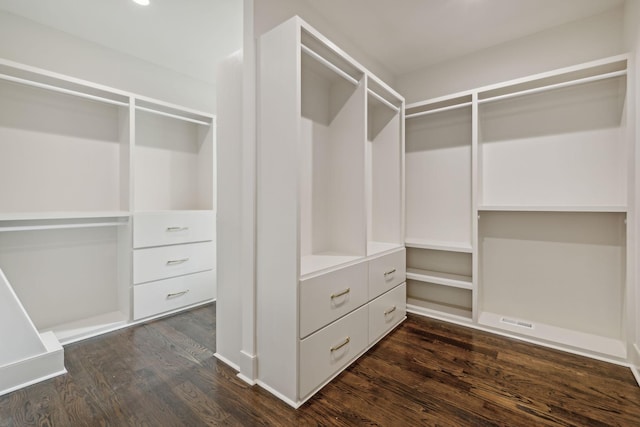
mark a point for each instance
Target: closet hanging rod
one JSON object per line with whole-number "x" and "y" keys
{"x": 383, "y": 100}
{"x": 62, "y": 90}
{"x": 61, "y": 226}
{"x": 437, "y": 110}
{"x": 174, "y": 116}
{"x": 555, "y": 86}
{"x": 329, "y": 65}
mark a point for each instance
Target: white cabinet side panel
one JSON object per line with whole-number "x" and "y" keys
{"x": 277, "y": 213}
{"x": 19, "y": 338}
{"x": 229, "y": 208}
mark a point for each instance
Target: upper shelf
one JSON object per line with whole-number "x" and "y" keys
{"x": 438, "y": 105}
{"x": 54, "y": 82}
{"x": 566, "y": 77}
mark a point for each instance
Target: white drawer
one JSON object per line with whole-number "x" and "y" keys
{"x": 332, "y": 348}
{"x": 170, "y": 228}
{"x": 325, "y": 298}
{"x": 387, "y": 311}
{"x": 170, "y": 261}
{"x": 386, "y": 272}
{"x": 170, "y": 294}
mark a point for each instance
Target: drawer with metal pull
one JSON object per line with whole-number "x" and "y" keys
{"x": 330, "y": 349}
{"x": 169, "y": 261}
{"x": 171, "y": 228}
{"x": 170, "y": 294}
{"x": 386, "y": 311}
{"x": 386, "y": 272}
{"x": 330, "y": 296}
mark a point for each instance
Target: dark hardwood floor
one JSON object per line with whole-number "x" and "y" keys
{"x": 163, "y": 373}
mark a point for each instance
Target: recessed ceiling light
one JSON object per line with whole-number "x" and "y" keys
{"x": 142, "y": 2}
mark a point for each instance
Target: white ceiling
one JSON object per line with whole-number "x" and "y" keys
{"x": 406, "y": 35}
{"x": 190, "y": 36}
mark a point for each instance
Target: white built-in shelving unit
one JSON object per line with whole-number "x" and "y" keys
{"x": 78, "y": 161}
{"x": 439, "y": 207}
{"x": 330, "y": 253}
{"x": 517, "y": 207}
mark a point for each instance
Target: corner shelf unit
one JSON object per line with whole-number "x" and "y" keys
{"x": 535, "y": 176}
{"x": 77, "y": 160}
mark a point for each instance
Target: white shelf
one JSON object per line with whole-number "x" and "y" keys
{"x": 438, "y": 278}
{"x": 579, "y": 340}
{"x": 44, "y": 216}
{"x": 374, "y": 248}
{"x": 324, "y": 261}
{"x": 553, "y": 208}
{"x": 85, "y": 328}
{"x": 440, "y": 311}
{"x": 438, "y": 245}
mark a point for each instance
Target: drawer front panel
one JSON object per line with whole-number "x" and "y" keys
{"x": 171, "y": 228}
{"x": 170, "y": 294}
{"x": 325, "y": 298}
{"x": 387, "y": 311}
{"x": 171, "y": 261}
{"x": 386, "y": 272}
{"x": 331, "y": 349}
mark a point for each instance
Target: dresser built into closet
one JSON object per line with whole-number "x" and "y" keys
{"x": 330, "y": 253}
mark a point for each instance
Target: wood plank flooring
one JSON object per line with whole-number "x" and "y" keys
{"x": 425, "y": 373}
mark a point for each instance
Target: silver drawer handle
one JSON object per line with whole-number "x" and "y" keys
{"x": 389, "y": 272}
{"x": 174, "y": 229}
{"x": 342, "y": 344}
{"x": 177, "y": 261}
{"x": 177, "y": 294}
{"x": 388, "y": 311}
{"x": 339, "y": 294}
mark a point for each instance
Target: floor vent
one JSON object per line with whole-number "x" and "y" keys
{"x": 515, "y": 322}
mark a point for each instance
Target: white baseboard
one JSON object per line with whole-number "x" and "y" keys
{"x": 226, "y": 361}
{"x": 248, "y": 367}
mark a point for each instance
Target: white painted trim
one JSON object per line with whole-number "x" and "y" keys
{"x": 285, "y": 399}
{"x": 636, "y": 373}
{"x": 226, "y": 361}
{"x": 246, "y": 379}
{"x": 248, "y": 365}
{"x": 248, "y": 198}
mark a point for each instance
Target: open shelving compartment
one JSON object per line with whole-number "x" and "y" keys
{"x": 439, "y": 208}
{"x": 64, "y": 176}
{"x": 174, "y": 158}
{"x": 332, "y": 160}
{"x": 439, "y": 283}
{"x": 555, "y": 143}
{"x": 552, "y": 203}
{"x": 555, "y": 276}
{"x": 384, "y": 167}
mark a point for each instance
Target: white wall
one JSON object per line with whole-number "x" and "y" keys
{"x": 28, "y": 42}
{"x": 632, "y": 43}
{"x": 269, "y": 14}
{"x": 581, "y": 41}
